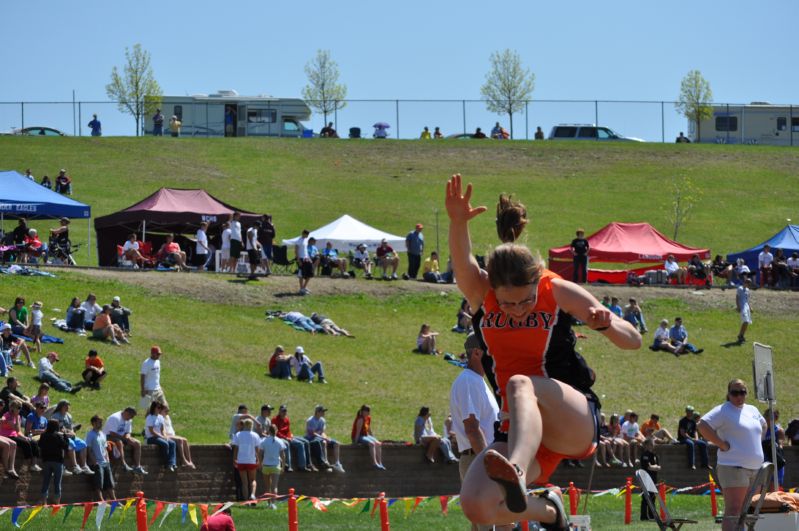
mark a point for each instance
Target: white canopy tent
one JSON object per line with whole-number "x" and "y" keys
{"x": 346, "y": 233}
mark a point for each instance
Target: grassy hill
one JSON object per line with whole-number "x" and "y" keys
{"x": 216, "y": 339}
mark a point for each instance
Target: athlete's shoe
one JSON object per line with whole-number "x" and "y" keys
{"x": 561, "y": 522}
{"x": 509, "y": 477}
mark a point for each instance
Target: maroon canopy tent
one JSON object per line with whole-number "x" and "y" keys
{"x": 626, "y": 243}
{"x": 169, "y": 210}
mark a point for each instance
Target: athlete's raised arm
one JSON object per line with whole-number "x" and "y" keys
{"x": 472, "y": 281}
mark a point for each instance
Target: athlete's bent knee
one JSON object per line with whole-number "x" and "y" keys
{"x": 519, "y": 383}
{"x": 479, "y": 509}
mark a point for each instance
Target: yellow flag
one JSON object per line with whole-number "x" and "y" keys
{"x": 408, "y": 504}
{"x": 193, "y": 514}
{"x": 34, "y": 512}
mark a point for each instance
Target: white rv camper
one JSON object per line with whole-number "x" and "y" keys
{"x": 756, "y": 123}
{"x": 226, "y": 113}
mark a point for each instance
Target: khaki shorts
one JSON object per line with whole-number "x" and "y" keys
{"x": 269, "y": 470}
{"x": 735, "y": 476}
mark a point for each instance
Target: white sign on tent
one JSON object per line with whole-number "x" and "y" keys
{"x": 346, "y": 233}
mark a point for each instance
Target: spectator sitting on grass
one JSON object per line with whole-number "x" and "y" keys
{"x": 651, "y": 429}
{"x": 464, "y": 319}
{"x": 304, "y": 368}
{"x": 329, "y": 326}
{"x": 634, "y": 315}
{"x": 11, "y": 347}
{"x": 42, "y": 396}
{"x": 48, "y": 374}
{"x": 11, "y": 393}
{"x": 662, "y": 340}
{"x": 615, "y": 307}
{"x": 300, "y": 320}
{"x": 90, "y": 311}
{"x": 426, "y": 340}
{"x": 75, "y": 317}
{"x": 46, "y": 182}
{"x": 94, "y": 372}
{"x": 280, "y": 364}
{"x": 362, "y": 434}
{"x": 103, "y": 328}
{"x": 679, "y": 338}
{"x": 430, "y": 271}
{"x": 120, "y": 315}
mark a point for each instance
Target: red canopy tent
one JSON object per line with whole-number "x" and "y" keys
{"x": 168, "y": 210}
{"x": 625, "y": 243}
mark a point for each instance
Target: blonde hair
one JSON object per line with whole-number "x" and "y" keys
{"x": 511, "y": 264}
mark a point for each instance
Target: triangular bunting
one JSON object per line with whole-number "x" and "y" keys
{"x": 87, "y": 510}
{"x": 444, "y": 501}
{"x": 98, "y": 518}
{"x": 34, "y": 512}
{"x": 169, "y": 509}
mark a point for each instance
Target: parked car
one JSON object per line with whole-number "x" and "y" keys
{"x": 36, "y": 131}
{"x": 587, "y": 132}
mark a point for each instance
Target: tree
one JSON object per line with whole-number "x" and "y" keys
{"x": 323, "y": 91}
{"x": 695, "y": 99}
{"x": 508, "y": 85}
{"x": 136, "y": 91}
{"x": 684, "y": 195}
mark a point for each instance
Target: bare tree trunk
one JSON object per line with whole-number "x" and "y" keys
{"x": 510, "y": 119}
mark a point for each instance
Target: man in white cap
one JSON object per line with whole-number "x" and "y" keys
{"x": 473, "y": 408}
{"x": 48, "y": 374}
{"x": 120, "y": 315}
{"x": 304, "y": 368}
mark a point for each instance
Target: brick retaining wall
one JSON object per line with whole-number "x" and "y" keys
{"x": 407, "y": 475}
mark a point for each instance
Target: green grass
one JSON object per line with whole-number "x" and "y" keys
{"x": 607, "y": 512}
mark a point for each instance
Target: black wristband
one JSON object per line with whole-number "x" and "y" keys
{"x": 601, "y": 329}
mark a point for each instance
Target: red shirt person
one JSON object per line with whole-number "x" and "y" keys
{"x": 387, "y": 257}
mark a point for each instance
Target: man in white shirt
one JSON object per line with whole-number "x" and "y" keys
{"x": 201, "y": 249}
{"x": 674, "y": 270}
{"x": 764, "y": 263}
{"x": 224, "y": 263}
{"x": 90, "y": 311}
{"x": 742, "y": 304}
{"x": 117, "y": 429}
{"x": 793, "y": 269}
{"x": 235, "y": 240}
{"x": 253, "y": 248}
{"x": 48, "y": 374}
{"x": 304, "y": 262}
{"x": 150, "y": 379}
{"x": 473, "y": 408}
{"x": 361, "y": 260}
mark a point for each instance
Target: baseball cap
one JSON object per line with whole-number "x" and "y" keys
{"x": 283, "y": 407}
{"x": 5, "y": 326}
{"x": 471, "y": 342}
{"x": 116, "y": 299}
{"x": 689, "y": 408}
{"x": 267, "y": 406}
{"x": 419, "y": 226}
{"x": 53, "y": 355}
{"x": 320, "y": 407}
{"x": 155, "y": 349}
{"x": 299, "y": 350}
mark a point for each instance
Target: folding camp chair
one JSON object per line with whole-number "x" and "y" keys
{"x": 648, "y": 486}
{"x": 759, "y": 486}
{"x": 280, "y": 260}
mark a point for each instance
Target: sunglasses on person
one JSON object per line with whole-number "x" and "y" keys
{"x": 738, "y": 392}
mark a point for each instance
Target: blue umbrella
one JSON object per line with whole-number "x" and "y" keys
{"x": 381, "y": 125}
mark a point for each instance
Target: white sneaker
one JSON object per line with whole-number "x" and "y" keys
{"x": 67, "y": 472}
{"x": 338, "y": 468}
{"x": 77, "y": 470}
{"x": 36, "y": 468}
{"x": 88, "y": 471}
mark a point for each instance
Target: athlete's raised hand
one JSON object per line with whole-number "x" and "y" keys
{"x": 457, "y": 201}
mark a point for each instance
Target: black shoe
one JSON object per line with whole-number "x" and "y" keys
{"x": 509, "y": 477}
{"x": 561, "y": 522}
{"x": 699, "y": 351}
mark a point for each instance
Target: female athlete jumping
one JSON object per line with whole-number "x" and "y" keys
{"x": 524, "y": 320}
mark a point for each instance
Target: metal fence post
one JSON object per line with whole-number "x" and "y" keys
{"x": 464, "y": 116}
{"x": 662, "y": 122}
{"x": 728, "y": 123}
{"x": 596, "y": 117}
{"x": 335, "y": 114}
{"x": 790, "y": 115}
{"x": 397, "y": 115}
{"x": 526, "y": 121}
{"x": 22, "y": 110}
{"x": 80, "y": 119}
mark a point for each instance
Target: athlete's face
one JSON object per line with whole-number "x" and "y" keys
{"x": 517, "y": 301}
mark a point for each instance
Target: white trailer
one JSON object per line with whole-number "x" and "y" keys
{"x": 226, "y": 113}
{"x": 756, "y": 123}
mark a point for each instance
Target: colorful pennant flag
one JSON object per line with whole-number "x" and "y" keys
{"x": 34, "y": 512}
{"x": 169, "y": 509}
{"x": 87, "y": 510}
{"x": 193, "y": 514}
{"x": 98, "y": 519}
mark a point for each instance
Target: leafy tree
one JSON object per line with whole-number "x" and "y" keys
{"x": 136, "y": 90}
{"x": 323, "y": 91}
{"x": 508, "y": 85}
{"x": 695, "y": 99}
{"x": 684, "y": 196}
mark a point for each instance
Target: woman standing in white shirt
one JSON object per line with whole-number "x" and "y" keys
{"x": 737, "y": 429}
{"x": 245, "y": 458}
{"x": 226, "y": 232}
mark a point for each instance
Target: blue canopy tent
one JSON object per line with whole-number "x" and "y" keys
{"x": 22, "y": 198}
{"x": 786, "y": 239}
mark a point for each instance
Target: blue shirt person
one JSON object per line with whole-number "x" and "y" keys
{"x": 679, "y": 338}
{"x": 414, "y": 244}
{"x": 96, "y": 126}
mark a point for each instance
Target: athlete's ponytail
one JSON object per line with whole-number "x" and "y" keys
{"x": 511, "y": 218}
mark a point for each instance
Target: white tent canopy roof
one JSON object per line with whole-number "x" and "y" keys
{"x": 346, "y": 233}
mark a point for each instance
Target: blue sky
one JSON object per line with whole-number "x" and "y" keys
{"x": 623, "y": 50}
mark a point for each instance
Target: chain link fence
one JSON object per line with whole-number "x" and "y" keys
{"x": 651, "y": 121}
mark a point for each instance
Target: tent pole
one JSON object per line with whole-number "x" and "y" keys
{"x": 89, "y": 250}
{"x": 144, "y": 230}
